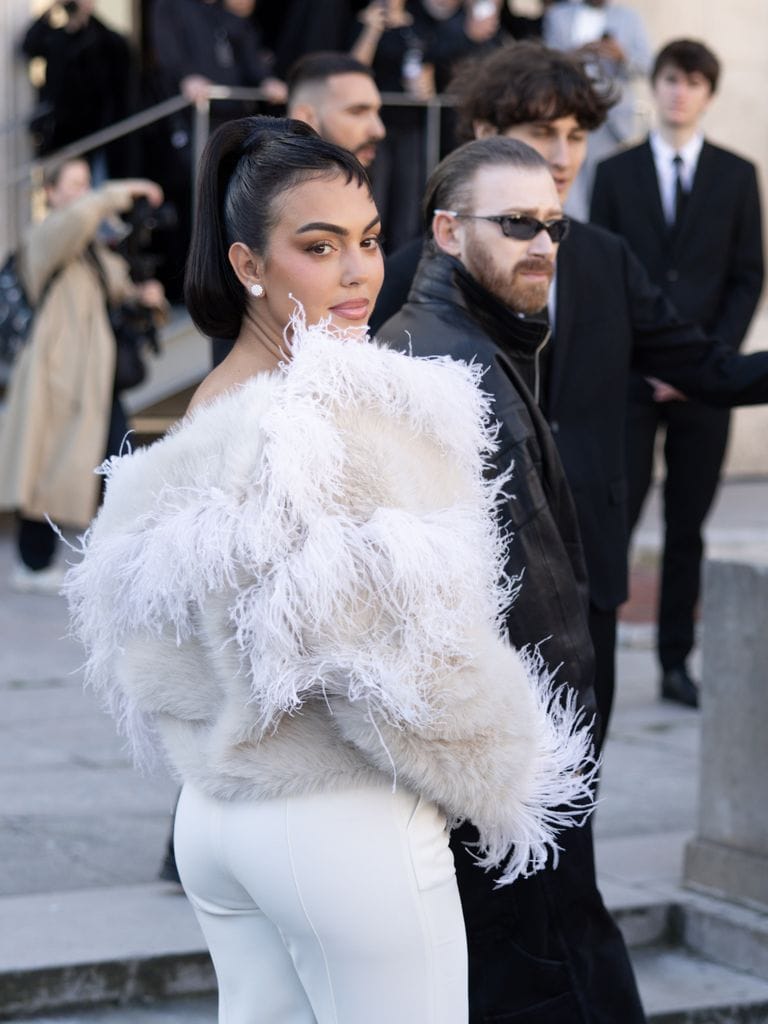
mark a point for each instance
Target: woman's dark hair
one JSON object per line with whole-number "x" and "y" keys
{"x": 526, "y": 82}
{"x": 450, "y": 184}
{"x": 689, "y": 56}
{"x": 245, "y": 166}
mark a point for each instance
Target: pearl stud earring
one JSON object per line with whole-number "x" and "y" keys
{"x": 256, "y": 290}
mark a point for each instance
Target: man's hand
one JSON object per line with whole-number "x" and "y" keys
{"x": 142, "y": 188}
{"x": 482, "y": 21}
{"x": 663, "y": 392}
{"x": 151, "y": 294}
{"x": 378, "y": 17}
{"x": 275, "y": 90}
{"x": 606, "y": 48}
{"x": 195, "y": 87}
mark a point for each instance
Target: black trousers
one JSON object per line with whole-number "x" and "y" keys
{"x": 602, "y": 629}
{"x": 694, "y": 449}
{"x": 544, "y": 950}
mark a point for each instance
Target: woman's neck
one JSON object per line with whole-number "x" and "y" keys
{"x": 261, "y": 343}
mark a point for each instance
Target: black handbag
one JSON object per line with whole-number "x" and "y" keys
{"x": 16, "y": 311}
{"x": 133, "y": 326}
{"x": 132, "y": 337}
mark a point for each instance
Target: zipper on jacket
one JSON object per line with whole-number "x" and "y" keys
{"x": 536, "y": 374}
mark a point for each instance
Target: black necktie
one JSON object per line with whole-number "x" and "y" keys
{"x": 681, "y": 196}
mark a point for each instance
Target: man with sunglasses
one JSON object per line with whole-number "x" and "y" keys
{"x": 607, "y": 317}
{"x": 544, "y": 948}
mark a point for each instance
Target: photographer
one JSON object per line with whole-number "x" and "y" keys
{"x": 63, "y": 415}
{"x": 89, "y": 80}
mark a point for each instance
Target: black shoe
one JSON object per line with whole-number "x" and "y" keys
{"x": 168, "y": 870}
{"x": 678, "y": 686}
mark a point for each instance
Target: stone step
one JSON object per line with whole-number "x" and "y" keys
{"x": 676, "y": 987}
{"x": 698, "y": 960}
{"x": 60, "y": 950}
{"x": 680, "y": 987}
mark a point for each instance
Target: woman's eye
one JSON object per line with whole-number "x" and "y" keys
{"x": 321, "y": 248}
{"x": 373, "y": 242}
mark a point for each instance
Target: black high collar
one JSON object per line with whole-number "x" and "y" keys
{"x": 443, "y": 279}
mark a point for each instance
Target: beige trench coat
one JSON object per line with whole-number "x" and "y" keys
{"x": 54, "y": 430}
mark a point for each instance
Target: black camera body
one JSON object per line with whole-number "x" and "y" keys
{"x": 143, "y": 220}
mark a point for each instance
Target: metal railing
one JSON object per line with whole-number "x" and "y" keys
{"x": 33, "y": 172}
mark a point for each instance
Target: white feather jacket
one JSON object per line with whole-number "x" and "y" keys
{"x": 298, "y": 589}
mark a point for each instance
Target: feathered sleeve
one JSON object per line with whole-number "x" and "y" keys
{"x": 510, "y": 752}
{"x": 341, "y": 511}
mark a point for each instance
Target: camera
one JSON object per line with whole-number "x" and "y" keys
{"x": 143, "y": 221}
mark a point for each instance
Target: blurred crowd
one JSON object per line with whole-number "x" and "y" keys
{"x": 93, "y": 77}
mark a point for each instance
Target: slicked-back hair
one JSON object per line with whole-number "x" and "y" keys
{"x": 689, "y": 56}
{"x": 450, "y": 184}
{"x": 526, "y": 82}
{"x": 316, "y": 68}
{"x": 246, "y": 166}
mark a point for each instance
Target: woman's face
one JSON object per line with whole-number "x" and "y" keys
{"x": 324, "y": 251}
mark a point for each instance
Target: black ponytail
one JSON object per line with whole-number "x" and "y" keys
{"x": 245, "y": 166}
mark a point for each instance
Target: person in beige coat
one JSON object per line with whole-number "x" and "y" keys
{"x": 61, "y": 402}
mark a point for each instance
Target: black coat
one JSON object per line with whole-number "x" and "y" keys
{"x": 711, "y": 267}
{"x": 545, "y": 551}
{"x": 611, "y": 318}
{"x": 544, "y": 949}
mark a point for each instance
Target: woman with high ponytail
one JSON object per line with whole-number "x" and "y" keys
{"x": 295, "y": 599}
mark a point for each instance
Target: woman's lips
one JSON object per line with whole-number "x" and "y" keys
{"x": 356, "y": 309}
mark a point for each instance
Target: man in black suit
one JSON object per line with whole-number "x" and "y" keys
{"x": 691, "y": 212}
{"x": 544, "y": 949}
{"x": 607, "y": 317}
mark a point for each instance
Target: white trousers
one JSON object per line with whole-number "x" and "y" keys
{"x": 329, "y": 908}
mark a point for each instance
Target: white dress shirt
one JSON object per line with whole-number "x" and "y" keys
{"x": 666, "y": 172}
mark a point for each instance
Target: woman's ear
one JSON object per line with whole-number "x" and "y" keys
{"x": 245, "y": 264}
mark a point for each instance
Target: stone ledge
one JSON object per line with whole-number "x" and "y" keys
{"x": 110, "y": 981}
{"x": 723, "y": 870}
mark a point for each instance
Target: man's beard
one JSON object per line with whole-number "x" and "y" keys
{"x": 520, "y": 295}
{"x": 373, "y": 143}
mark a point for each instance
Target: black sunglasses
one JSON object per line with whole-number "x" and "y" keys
{"x": 520, "y": 226}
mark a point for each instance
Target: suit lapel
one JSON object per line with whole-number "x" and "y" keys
{"x": 564, "y": 310}
{"x": 702, "y": 181}
{"x": 648, "y": 187}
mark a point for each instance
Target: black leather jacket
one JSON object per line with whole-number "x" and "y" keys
{"x": 449, "y": 313}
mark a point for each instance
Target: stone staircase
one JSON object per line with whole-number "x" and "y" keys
{"x": 698, "y": 960}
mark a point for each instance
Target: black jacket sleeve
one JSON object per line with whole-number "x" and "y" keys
{"x": 601, "y": 210}
{"x": 680, "y": 353}
{"x": 745, "y": 271}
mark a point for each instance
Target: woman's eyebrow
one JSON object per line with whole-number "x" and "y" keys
{"x": 335, "y": 229}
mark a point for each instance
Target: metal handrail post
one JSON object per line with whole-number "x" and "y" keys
{"x": 201, "y": 129}
{"x": 432, "y": 134}
{"x": 98, "y": 139}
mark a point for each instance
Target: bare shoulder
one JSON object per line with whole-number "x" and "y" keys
{"x": 230, "y": 374}
{"x": 208, "y": 390}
